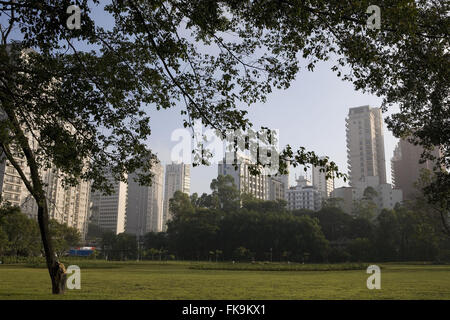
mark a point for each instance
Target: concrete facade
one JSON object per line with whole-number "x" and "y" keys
{"x": 303, "y": 196}
{"x": 109, "y": 211}
{"x": 365, "y": 144}
{"x": 145, "y": 204}
{"x": 177, "y": 178}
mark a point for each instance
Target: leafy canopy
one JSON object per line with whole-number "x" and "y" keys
{"x": 216, "y": 57}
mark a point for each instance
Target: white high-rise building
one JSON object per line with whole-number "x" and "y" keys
{"x": 303, "y": 196}
{"x": 319, "y": 181}
{"x": 109, "y": 211}
{"x": 177, "y": 178}
{"x": 366, "y": 160}
{"x": 365, "y": 144}
{"x": 255, "y": 185}
{"x": 145, "y": 203}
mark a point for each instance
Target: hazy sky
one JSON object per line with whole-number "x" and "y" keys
{"x": 311, "y": 113}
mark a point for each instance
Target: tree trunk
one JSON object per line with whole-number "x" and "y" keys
{"x": 445, "y": 218}
{"x": 35, "y": 187}
{"x": 56, "y": 269}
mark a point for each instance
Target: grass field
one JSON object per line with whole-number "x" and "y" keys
{"x": 191, "y": 280}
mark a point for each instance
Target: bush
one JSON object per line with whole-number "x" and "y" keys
{"x": 337, "y": 254}
{"x": 22, "y": 260}
{"x": 360, "y": 249}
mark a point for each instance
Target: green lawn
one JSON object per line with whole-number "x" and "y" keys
{"x": 188, "y": 280}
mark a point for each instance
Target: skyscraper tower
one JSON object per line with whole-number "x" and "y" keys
{"x": 145, "y": 203}
{"x": 178, "y": 178}
{"x": 365, "y": 144}
{"x": 109, "y": 211}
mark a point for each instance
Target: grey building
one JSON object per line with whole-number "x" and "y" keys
{"x": 109, "y": 211}
{"x": 145, "y": 204}
{"x": 177, "y": 178}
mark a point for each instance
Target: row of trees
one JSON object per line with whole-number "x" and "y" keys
{"x": 223, "y": 225}
{"x": 19, "y": 235}
{"x": 403, "y": 234}
{"x": 327, "y": 235}
{"x": 153, "y": 246}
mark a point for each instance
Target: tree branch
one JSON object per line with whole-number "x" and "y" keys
{"x": 13, "y": 161}
{"x": 166, "y": 67}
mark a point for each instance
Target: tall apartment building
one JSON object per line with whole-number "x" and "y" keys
{"x": 366, "y": 161}
{"x": 303, "y": 196}
{"x": 256, "y": 185}
{"x": 145, "y": 203}
{"x": 12, "y": 188}
{"x": 177, "y": 178}
{"x": 319, "y": 181}
{"x": 406, "y": 167}
{"x": 365, "y": 144}
{"x": 109, "y": 211}
{"x": 66, "y": 204}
